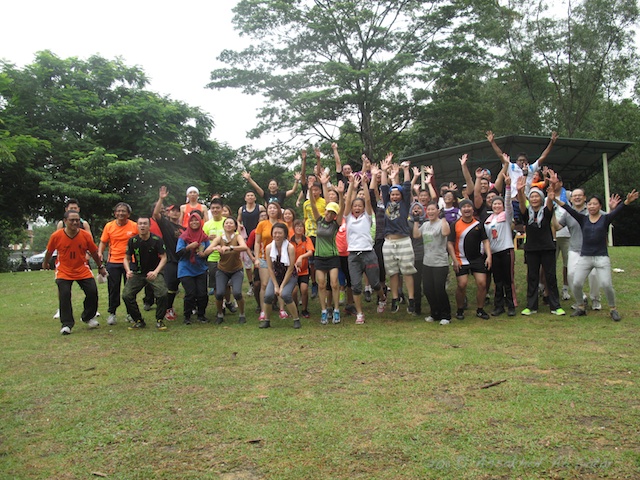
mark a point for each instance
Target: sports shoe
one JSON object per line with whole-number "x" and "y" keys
{"x": 57, "y": 314}
{"x": 93, "y": 323}
{"x": 305, "y": 313}
{"x": 283, "y": 314}
{"x": 480, "y": 313}
{"x": 65, "y": 330}
{"x": 219, "y": 319}
{"x": 381, "y": 306}
{"x": 324, "y": 318}
{"x": 212, "y": 291}
{"x": 264, "y": 324}
{"x": 429, "y": 319}
{"x": 579, "y": 313}
{"x": 511, "y": 312}
{"x": 445, "y": 321}
{"x": 460, "y": 314}
{"x": 250, "y": 292}
{"x": 359, "y": 318}
{"x": 160, "y": 325}
{"x": 558, "y": 311}
{"x": 296, "y": 323}
{"x": 565, "y": 293}
{"x": 130, "y": 319}
{"x": 263, "y": 316}
{"x": 394, "y": 305}
{"x": 351, "y": 310}
{"x": 411, "y": 308}
{"x": 112, "y": 319}
{"x": 187, "y": 320}
{"x": 336, "y": 317}
{"x": 242, "y": 319}
{"x": 595, "y": 304}
{"x": 232, "y": 307}
{"x": 615, "y": 316}
{"x": 170, "y": 315}
{"x": 314, "y": 290}
{"x": 528, "y": 312}
{"x": 367, "y": 295}
{"x": 137, "y": 325}
{"x": 342, "y": 297}
{"x": 146, "y": 307}
{"x": 203, "y": 319}
{"x": 497, "y": 312}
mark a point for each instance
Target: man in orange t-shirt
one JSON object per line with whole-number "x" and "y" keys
{"x": 116, "y": 235}
{"x": 72, "y": 244}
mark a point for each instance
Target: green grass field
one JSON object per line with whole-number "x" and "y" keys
{"x": 394, "y": 398}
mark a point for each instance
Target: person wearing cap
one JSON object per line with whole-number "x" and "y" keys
{"x": 193, "y": 194}
{"x": 327, "y": 258}
{"x": 540, "y": 249}
{"x": 397, "y": 248}
{"x": 466, "y": 243}
{"x": 169, "y": 224}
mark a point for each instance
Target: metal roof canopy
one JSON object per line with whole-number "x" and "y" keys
{"x": 576, "y": 160}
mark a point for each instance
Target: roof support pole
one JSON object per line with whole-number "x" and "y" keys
{"x": 607, "y": 193}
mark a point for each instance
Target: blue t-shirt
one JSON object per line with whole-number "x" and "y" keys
{"x": 185, "y": 267}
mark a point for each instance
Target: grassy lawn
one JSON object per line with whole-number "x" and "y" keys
{"x": 394, "y": 398}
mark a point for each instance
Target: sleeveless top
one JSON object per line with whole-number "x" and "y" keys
{"x": 230, "y": 261}
{"x": 250, "y": 220}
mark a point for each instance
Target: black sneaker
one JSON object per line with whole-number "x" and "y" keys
{"x": 232, "y": 308}
{"x": 411, "y": 308}
{"x": 460, "y": 314}
{"x": 579, "y": 313}
{"x": 296, "y": 323}
{"x": 138, "y": 324}
{"x": 480, "y": 313}
{"x": 219, "y": 319}
{"x": 367, "y": 295}
{"x": 394, "y": 305}
{"x": 265, "y": 324}
{"x": 203, "y": 319}
{"x": 511, "y": 312}
{"x": 305, "y": 313}
{"x": 147, "y": 306}
{"x": 242, "y": 319}
{"x": 160, "y": 325}
{"x": 499, "y": 311}
{"x": 615, "y": 316}
{"x": 350, "y": 310}
{"x": 187, "y": 320}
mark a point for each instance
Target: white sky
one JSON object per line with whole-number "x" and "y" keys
{"x": 176, "y": 44}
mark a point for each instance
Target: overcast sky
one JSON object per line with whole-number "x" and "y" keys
{"x": 175, "y": 43}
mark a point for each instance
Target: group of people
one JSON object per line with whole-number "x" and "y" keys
{"x": 358, "y": 229}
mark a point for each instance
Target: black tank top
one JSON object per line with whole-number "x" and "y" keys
{"x": 250, "y": 220}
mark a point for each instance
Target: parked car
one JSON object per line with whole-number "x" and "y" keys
{"x": 34, "y": 262}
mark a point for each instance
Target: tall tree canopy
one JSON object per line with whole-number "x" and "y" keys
{"x": 320, "y": 63}
{"x": 88, "y": 129}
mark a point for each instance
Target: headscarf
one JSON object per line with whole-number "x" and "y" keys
{"x": 423, "y": 215}
{"x": 191, "y": 235}
{"x": 500, "y": 217}
{"x": 539, "y": 215}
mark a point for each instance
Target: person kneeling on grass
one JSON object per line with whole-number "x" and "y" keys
{"x": 230, "y": 269}
{"x": 282, "y": 274}
{"x": 72, "y": 243}
{"x": 143, "y": 263}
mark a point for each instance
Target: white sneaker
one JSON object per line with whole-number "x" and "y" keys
{"x": 250, "y": 292}
{"x": 65, "y": 330}
{"x": 595, "y": 304}
{"x": 565, "y": 293}
{"x": 93, "y": 323}
{"x": 112, "y": 319}
{"x": 444, "y": 321}
{"x": 359, "y": 318}
{"x": 429, "y": 319}
{"x": 57, "y": 314}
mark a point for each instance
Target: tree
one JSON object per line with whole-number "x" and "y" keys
{"x": 322, "y": 63}
{"x": 88, "y": 129}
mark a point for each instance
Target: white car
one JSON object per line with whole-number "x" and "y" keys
{"x": 35, "y": 261}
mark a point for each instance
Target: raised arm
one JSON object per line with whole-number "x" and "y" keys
{"x": 296, "y": 180}
{"x": 545, "y": 153}
{"x": 340, "y": 190}
{"x": 477, "y": 196}
{"x": 353, "y": 186}
{"x": 157, "y": 209}
{"x": 522, "y": 200}
{"x": 247, "y": 176}
{"x": 494, "y": 145}
{"x": 502, "y": 174}
{"x": 336, "y": 156}
{"x": 466, "y": 174}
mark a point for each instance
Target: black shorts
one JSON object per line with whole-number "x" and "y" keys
{"x": 324, "y": 264}
{"x": 303, "y": 279}
{"x": 475, "y": 266}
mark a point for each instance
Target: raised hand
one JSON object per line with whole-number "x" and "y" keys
{"x": 507, "y": 179}
{"x": 554, "y": 136}
{"x": 297, "y": 176}
{"x": 340, "y": 187}
{"x": 428, "y": 169}
{"x": 453, "y": 187}
{"x": 163, "y": 192}
{"x": 479, "y": 172}
{"x": 506, "y": 158}
{"x": 614, "y": 201}
{"x": 317, "y": 152}
{"x": 463, "y": 159}
{"x": 324, "y": 178}
{"x": 631, "y": 196}
{"x": 490, "y": 136}
{"x": 521, "y": 183}
{"x": 246, "y": 175}
{"x": 303, "y": 154}
{"x": 334, "y": 146}
{"x": 416, "y": 171}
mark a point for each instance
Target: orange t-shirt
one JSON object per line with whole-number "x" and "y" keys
{"x": 264, "y": 229}
{"x": 71, "y": 263}
{"x": 117, "y": 237}
{"x": 187, "y": 212}
{"x": 300, "y": 249}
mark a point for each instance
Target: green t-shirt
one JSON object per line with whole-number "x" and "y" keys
{"x": 214, "y": 227}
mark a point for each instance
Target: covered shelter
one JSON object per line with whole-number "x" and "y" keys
{"x": 575, "y": 160}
